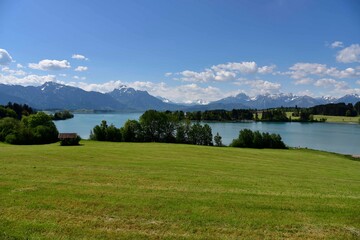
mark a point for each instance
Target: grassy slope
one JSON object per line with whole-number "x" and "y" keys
{"x": 123, "y": 190}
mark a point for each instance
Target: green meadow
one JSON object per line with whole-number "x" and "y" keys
{"x": 104, "y": 190}
{"x": 338, "y": 119}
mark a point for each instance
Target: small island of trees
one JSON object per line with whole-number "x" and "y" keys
{"x": 62, "y": 115}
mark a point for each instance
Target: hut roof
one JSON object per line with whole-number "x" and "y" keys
{"x": 67, "y": 135}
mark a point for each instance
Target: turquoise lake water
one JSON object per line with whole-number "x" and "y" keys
{"x": 332, "y": 137}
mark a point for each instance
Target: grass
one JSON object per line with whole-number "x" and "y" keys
{"x": 338, "y": 119}
{"x": 165, "y": 191}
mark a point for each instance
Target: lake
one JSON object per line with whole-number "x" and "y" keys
{"x": 332, "y": 137}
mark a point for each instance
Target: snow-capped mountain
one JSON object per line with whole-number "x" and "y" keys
{"x": 52, "y": 95}
{"x": 57, "y": 96}
{"x": 276, "y": 100}
{"x": 350, "y": 98}
{"x": 165, "y": 100}
{"x": 140, "y": 100}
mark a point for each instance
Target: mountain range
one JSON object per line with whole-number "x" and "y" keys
{"x": 52, "y": 95}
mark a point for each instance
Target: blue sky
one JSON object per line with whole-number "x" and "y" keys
{"x": 184, "y": 50}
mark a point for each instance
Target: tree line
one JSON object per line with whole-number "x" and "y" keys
{"x": 20, "y": 124}
{"x": 168, "y": 127}
{"x": 154, "y": 126}
{"x": 218, "y": 115}
{"x": 271, "y": 115}
{"x": 15, "y": 110}
{"x": 336, "y": 109}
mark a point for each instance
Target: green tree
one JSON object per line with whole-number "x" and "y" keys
{"x": 158, "y": 126}
{"x": 217, "y": 140}
{"x": 8, "y": 125}
{"x": 132, "y": 131}
{"x": 246, "y": 138}
{"x": 103, "y": 132}
{"x": 194, "y": 134}
{"x": 40, "y": 128}
{"x": 258, "y": 140}
{"x": 357, "y": 108}
{"x": 348, "y": 113}
{"x": 7, "y": 112}
{"x": 99, "y": 132}
{"x": 113, "y": 134}
{"x": 206, "y": 136}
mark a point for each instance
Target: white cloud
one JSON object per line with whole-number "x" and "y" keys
{"x": 29, "y": 80}
{"x": 302, "y": 70}
{"x": 5, "y": 57}
{"x": 19, "y": 65}
{"x": 241, "y": 67}
{"x": 307, "y": 92}
{"x": 188, "y": 93}
{"x": 304, "y": 81}
{"x": 79, "y": 78}
{"x": 358, "y": 82}
{"x": 62, "y": 75}
{"x": 13, "y": 72}
{"x": 79, "y": 57}
{"x": 222, "y": 72}
{"x": 50, "y": 65}
{"x": 331, "y": 83}
{"x": 191, "y": 76}
{"x": 99, "y": 87}
{"x": 81, "y": 69}
{"x": 223, "y": 75}
{"x": 349, "y": 54}
{"x": 266, "y": 69}
{"x": 337, "y": 44}
{"x": 259, "y": 86}
{"x": 168, "y": 74}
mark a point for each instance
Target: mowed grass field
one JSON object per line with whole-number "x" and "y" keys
{"x": 331, "y": 119}
{"x": 338, "y": 119}
{"x": 104, "y": 190}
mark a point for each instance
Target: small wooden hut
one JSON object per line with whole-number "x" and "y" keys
{"x": 67, "y": 139}
{"x": 63, "y": 136}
